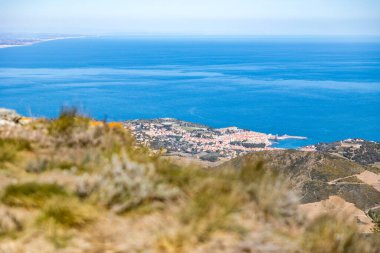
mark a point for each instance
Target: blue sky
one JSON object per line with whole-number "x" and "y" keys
{"x": 192, "y": 17}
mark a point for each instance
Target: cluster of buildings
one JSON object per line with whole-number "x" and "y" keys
{"x": 188, "y": 139}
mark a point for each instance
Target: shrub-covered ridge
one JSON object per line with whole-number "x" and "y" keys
{"x": 75, "y": 185}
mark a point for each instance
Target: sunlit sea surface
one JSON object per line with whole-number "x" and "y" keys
{"x": 323, "y": 89}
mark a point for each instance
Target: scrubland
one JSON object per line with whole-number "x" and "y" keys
{"x": 71, "y": 185}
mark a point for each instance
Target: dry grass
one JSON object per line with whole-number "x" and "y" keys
{"x": 30, "y": 194}
{"x": 66, "y": 213}
{"x": 273, "y": 192}
{"x": 68, "y": 121}
{"x": 210, "y": 207}
{"x": 106, "y": 171}
{"x": 125, "y": 184}
{"x": 333, "y": 234}
{"x": 9, "y": 223}
{"x": 9, "y": 149}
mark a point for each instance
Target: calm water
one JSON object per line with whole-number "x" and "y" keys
{"x": 325, "y": 90}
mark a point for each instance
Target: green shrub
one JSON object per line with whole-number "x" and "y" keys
{"x": 30, "y": 194}
{"x": 375, "y": 216}
{"x": 18, "y": 144}
{"x": 66, "y": 213}
{"x": 68, "y": 120}
{"x": 9, "y": 147}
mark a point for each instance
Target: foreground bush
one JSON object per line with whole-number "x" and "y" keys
{"x": 9, "y": 147}
{"x": 9, "y": 223}
{"x": 211, "y": 205}
{"x": 66, "y": 213}
{"x": 331, "y": 234}
{"x": 375, "y": 216}
{"x": 125, "y": 184}
{"x": 273, "y": 192}
{"x": 30, "y": 194}
{"x": 68, "y": 121}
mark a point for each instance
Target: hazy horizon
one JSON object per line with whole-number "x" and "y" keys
{"x": 193, "y": 17}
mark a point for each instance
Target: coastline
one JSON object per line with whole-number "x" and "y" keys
{"x": 186, "y": 139}
{"x": 37, "y": 41}
{"x": 187, "y": 142}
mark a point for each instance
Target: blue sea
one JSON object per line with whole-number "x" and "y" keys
{"x": 325, "y": 89}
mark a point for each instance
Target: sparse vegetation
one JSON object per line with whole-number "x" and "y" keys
{"x": 9, "y": 223}
{"x": 107, "y": 183}
{"x": 375, "y": 216}
{"x": 66, "y": 213}
{"x": 126, "y": 184}
{"x": 30, "y": 194}
{"x": 9, "y": 148}
{"x": 271, "y": 191}
{"x": 333, "y": 234}
{"x": 203, "y": 218}
{"x": 68, "y": 121}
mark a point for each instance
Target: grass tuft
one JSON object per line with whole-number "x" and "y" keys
{"x": 68, "y": 120}
{"x": 181, "y": 177}
{"x": 333, "y": 234}
{"x": 9, "y": 148}
{"x": 30, "y": 194}
{"x": 272, "y": 192}
{"x": 66, "y": 213}
{"x": 211, "y": 205}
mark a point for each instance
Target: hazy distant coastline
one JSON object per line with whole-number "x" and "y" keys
{"x": 7, "y": 42}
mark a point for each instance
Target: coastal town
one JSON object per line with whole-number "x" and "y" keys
{"x": 176, "y": 137}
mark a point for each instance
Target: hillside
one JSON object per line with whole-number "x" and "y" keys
{"x": 357, "y": 150}
{"x": 73, "y": 184}
{"x": 320, "y": 175}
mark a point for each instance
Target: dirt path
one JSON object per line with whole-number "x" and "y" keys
{"x": 370, "y": 178}
{"x": 335, "y": 181}
{"x": 366, "y": 177}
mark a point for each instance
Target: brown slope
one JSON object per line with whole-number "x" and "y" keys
{"x": 319, "y": 175}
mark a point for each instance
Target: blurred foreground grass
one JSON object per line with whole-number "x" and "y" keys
{"x": 75, "y": 185}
